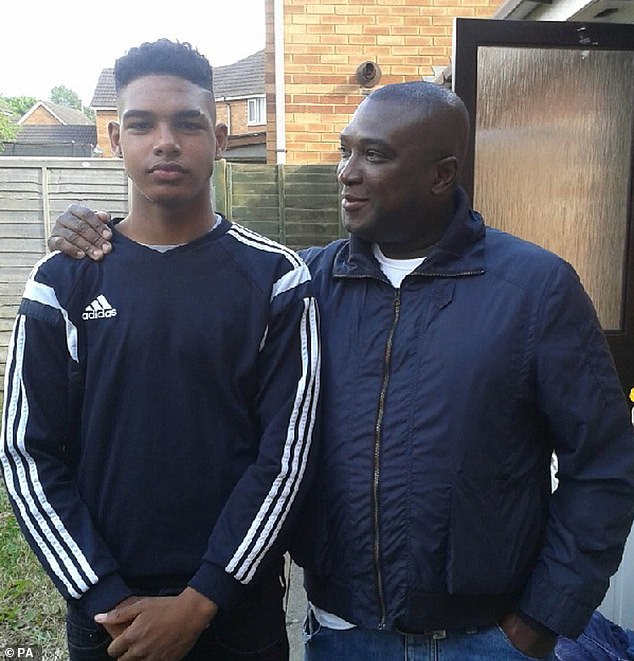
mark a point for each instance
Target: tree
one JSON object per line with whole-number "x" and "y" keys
{"x": 8, "y": 130}
{"x": 65, "y": 96}
{"x": 20, "y": 104}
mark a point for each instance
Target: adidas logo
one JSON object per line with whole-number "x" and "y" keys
{"x": 99, "y": 309}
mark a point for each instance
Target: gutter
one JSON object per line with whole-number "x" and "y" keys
{"x": 280, "y": 96}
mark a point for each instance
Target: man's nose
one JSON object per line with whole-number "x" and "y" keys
{"x": 347, "y": 170}
{"x": 166, "y": 141}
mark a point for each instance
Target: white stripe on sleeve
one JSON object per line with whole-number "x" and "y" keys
{"x": 276, "y": 505}
{"x": 24, "y": 484}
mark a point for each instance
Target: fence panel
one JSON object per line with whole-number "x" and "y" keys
{"x": 310, "y": 205}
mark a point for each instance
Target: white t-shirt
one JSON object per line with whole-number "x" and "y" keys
{"x": 395, "y": 269}
{"x": 166, "y": 247}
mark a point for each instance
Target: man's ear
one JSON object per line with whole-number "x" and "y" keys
{"x": 446, "y": 174}
{"x": 222, "y": 138}
{"x": 114, "y": 134}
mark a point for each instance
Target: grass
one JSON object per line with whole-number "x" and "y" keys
{"x": 32, "y": 612}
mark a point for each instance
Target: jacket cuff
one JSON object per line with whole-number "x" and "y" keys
{"x": 534, "y": 624}
{"x": 107, "y": 593}
{"x": 549, "y": 606}
{"x": 215, "y": 584}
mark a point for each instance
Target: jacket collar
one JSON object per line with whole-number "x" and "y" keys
{"x": 459, "y": 252}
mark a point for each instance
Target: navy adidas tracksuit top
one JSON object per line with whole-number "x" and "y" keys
{"x": 158, "y": 413}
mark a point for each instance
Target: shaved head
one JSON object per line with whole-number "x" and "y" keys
{"x": 441, "y": 111}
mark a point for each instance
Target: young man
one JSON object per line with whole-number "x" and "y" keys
{"x": 159, "y": 406}
{"x": 457, "y": 359}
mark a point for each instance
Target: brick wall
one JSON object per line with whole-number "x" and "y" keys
{"x": 102, "y": 118}
{"x": 234, "y": 114}
{"x": 325, "y": 42}
{"x": 41, "y": 117}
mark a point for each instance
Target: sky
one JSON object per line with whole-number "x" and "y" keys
{"x": 45, "y": 44}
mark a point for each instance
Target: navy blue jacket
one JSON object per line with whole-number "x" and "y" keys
{"x": 158, "y": 415}
{"x": 442, "y": 403}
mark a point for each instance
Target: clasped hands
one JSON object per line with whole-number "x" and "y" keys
{"x": 157, "y": 628}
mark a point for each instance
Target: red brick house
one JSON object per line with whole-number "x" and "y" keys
{"x": 49, "y": 129}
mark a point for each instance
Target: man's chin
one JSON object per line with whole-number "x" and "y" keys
{"x": 360, "y": 231}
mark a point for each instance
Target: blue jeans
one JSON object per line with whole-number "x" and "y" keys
{"x": 254, "y": 633}
{"x": 488, "y": 644}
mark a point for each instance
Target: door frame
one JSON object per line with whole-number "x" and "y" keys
{"x": 469, "y": 35}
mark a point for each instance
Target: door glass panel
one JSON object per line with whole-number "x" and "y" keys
{"x": 552, "y": 157}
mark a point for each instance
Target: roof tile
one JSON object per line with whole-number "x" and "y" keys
{"x": 57, "y": 134}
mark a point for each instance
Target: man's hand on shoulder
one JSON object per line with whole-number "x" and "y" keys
{"x": 159, "y": 628}
{"x": 79, "y": 232}
{"x": 536, "y": 643}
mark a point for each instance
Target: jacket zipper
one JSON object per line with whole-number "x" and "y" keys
{"x": 430, "y": 274}
{"x": 458, "y": 274}
{"x": 376, "y": 473}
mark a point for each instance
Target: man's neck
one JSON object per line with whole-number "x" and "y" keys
{"x": 432, "y": 230}
{"x": 161, "y": 225}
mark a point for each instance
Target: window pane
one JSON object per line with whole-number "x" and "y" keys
{"x": 552, "y": 157}
{"x": 257, "y": 111}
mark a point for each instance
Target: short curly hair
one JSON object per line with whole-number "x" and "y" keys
{"x": 163, "y": 57}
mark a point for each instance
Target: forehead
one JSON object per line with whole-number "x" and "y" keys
{"x": 164, "y": 93}
{"x": 384, "y": 121}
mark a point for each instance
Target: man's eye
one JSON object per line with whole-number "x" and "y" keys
{"x": 373, "y": 155}
{"x": 138, "y": 126}
{"x": 344, "y": 151}
{"x": 189, "y": 126}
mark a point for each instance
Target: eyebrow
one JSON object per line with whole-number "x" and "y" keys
{"x": 181, "y": 114}
{"x": 364, "y": 142}
{"x": 368, "y": 140}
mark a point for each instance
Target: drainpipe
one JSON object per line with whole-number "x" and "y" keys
{"x": 227, "y": 106}
{"x": 280, "y": 96}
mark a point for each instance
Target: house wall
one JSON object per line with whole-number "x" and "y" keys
{"x": 234, "y": 114}
{"x": 325, "y": 42}
{"x": 41, "y": 117}
{"x": 102, "y": 118}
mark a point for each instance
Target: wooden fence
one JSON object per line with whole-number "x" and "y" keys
{"x": 296, "y": 205}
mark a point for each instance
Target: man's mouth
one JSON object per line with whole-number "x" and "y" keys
{"x": 352, "y": 203}
{"x": 167, "y": 171}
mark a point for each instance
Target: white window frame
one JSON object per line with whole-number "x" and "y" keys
{"x": 256, "y": 110}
